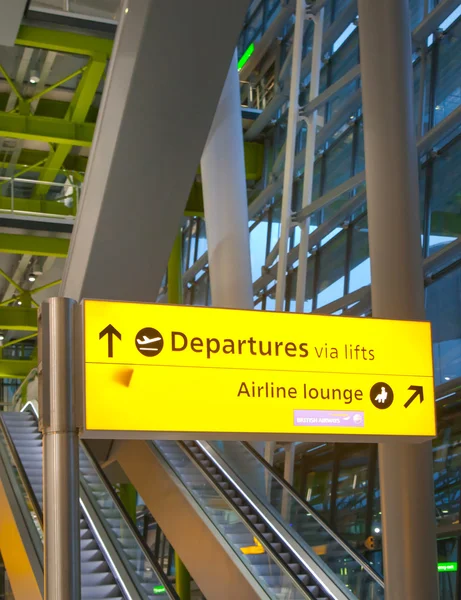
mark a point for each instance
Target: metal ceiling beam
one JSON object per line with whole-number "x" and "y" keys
{"x": 30, "y": 205}
{"x": 18, "y": 318}
{"x": 16, "y": 369}
{"x": 45, "y": 129}
{"x": 76, "y": 113}
{"x": 63, "y": 41}
{"x": 254, "y": 159}
{"x": 34, "y": 245}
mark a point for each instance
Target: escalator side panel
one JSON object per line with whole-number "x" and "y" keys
{"x": 204, "y": 553}
{"x": 23, "y": 566}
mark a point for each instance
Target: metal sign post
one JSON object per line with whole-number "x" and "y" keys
{"x": 60, "y": 450}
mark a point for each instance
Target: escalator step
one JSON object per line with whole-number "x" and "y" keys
{"x": 295, "y": 567}
{"x": 88, "y": 544}
{"x": 102, "y": 591}
{"x": 90, "y": 555}
{"x": 94, "y": 566}
{"x": 95, "y": 580}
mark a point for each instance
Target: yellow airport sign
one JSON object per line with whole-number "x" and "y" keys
{"x": 180, "y": 372}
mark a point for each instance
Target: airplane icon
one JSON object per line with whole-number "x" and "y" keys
{"x": 145, "y": 340}
{"x": 149, "y": 341}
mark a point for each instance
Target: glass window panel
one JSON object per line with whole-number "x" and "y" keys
{"x": 416, "y": 12}
{"x": 202, "y": 241}
{"x": 447, "y": 474}
{"x": 200, "y": 291}
{"x": 443, "y": 309}
{"x": 359, "y": 164}
{"x": 445, "y": 224}
{"x": 351, "y": 499}
{"x": 258, "y": 241}
{"x": 448, "y": 81}
{"x": 319, "y": 490}
{"x": 309, "y": 286}
{"x": 331, "y": 278}
{"x": 338, "y": 168}
{"x": 360, "y": 256}
{"x": 342, "y": 61}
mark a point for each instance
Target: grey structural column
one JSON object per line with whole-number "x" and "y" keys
{"x": 225, "y": 201}
{"x": 60, "y": 452}
{"x": 166, "y": 74}
{"x": 406, "y": 473}
{"x": 226, "y": 206}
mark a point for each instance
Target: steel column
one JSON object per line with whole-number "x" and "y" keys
{"x": 293, "y": 113}
{"x": 309, "y": 160}
{"x": 406, "y": 474}
{"x": 60, "y": 452}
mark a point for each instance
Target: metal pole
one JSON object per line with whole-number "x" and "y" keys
{"x": 406, "y": 474}
{"x": 309, "y": 159}
{"x": 60, "y": 452}
{"x": 175, "y": 296}
{"x": 290, "y": 147}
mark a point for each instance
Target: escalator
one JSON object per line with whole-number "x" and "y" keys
{"x": 231, "y": 495}
{"x": 115, "y": 562}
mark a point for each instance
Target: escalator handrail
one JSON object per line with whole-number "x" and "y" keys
{"x": 363, "y": 563}
{"x": 255, "y": 532}
{"x": 129, "y": 522}
{"x": 22, "y": 473}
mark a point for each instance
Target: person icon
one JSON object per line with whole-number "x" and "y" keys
{"x": 381, "y": 398}
{"x": 381, "y": 395}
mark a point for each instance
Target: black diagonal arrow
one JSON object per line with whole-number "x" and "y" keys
{"x": 418, "y": 391}
{"x": 110, "y": 331}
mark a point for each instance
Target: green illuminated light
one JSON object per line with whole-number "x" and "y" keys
{"x": 445, "y": 567}
{"x": 245, "y": 56}
{"x": 159, "y": 589}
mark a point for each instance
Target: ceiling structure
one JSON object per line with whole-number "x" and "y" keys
{"x": 51, "y": 84}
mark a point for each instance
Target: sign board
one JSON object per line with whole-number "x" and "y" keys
{"x": 447, "y": 567}
{"x": 180, "y": 372}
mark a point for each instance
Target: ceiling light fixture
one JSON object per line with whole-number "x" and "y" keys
{"x": 32, "y": 277}
{"x": 34, "y": 76}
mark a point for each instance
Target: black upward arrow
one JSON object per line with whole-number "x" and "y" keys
{"x": 418, "y": 389}
{"x": 110, "y": 331}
